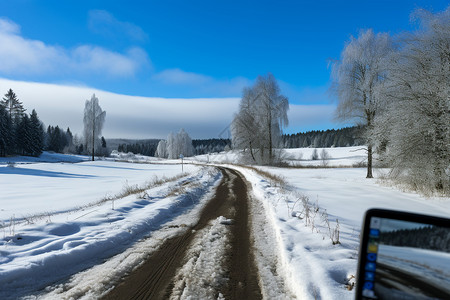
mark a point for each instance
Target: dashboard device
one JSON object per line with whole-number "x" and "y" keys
{"x": 403, "y": 256}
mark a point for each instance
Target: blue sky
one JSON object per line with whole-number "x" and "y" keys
{"x": 189, "y": 49}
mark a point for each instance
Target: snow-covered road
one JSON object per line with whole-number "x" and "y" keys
{"x": 210, "y": 260}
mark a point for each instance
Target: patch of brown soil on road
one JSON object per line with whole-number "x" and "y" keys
{"x": 154, "y": 278}
{"x": 243, "y": 273}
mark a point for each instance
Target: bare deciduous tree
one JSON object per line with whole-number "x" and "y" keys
{"x": 244, "y": 128}
{"x": 161, "y": 150}
{"x": 179, "y": 144}
{"x": 357, "y": 79}
{"x": 415, "y": 125}
{"x": 257, "y": 126}
{"x": 94, "y": 118}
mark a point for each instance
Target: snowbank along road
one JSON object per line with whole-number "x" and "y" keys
{"x": 221, "y": 238}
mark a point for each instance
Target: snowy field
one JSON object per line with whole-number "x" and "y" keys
{"x": 54, "y": 224}
{"x": 337, "y": 157}
{"x": 74, "y": 230}
{"x": 49, "y": 188}
{"x": 314, "y": 268}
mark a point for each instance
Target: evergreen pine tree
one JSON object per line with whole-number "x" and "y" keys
{"x": 5, "y": 132}
{"x": 23, "y": 136}
{"x": 58, "y": 140}
{"x": 53, "y": 139}
{"x": 69, "y": 140}
{"x": 13, "y": 106}
{"x": 37, "y": 134}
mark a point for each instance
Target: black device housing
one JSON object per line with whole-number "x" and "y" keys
{"x": 365, "y": 238}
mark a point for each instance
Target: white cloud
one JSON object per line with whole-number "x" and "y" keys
{"x": 96, "y": 59}
{"x": 104, "y": 23}
{"x": 8, "y": 26}
{"x": 22, "y": 56}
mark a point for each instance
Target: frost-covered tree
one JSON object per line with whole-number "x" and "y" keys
{"x": 185, "y": 143}
{"x": 357, "y": 80}
{"x": 244, "y": 128}
{"x": 172, "y": 147}
{"x": 94, "y": 118}
{"x": 257, "y": 127}
{"x": 179, "y": 144}
{"x": 416, "y": 123}
{"x": 70, "y": 147}
{"x": 161, "y": 150}
{"x": 272, "y": 114}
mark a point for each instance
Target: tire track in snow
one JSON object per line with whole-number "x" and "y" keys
{"x": 156, "y": 278}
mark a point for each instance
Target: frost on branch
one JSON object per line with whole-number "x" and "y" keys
{"x": 94, "y": 118}
{"x": 414, "y": 130}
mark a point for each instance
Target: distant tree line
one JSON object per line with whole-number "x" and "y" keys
{"x": 206, "y": 146}
{"x": 58, "y": 140}
{"x": 147, "y": 148}
{"x": 345, "y": 137}
{"x": 430, "y": 237}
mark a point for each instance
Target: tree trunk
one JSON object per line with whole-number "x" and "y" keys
{"x": 270, "y": 145}
{"x": 93, "y": 130}
{"x": 369, "y": 162}
{"x": 270, "y": 136}
{"x": 93, "y": 142}
{"x": 251, "y": 152}
{"x": 369, "y": 115}
{"x": 440, "y": 157}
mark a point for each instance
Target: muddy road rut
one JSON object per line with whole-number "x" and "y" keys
{"x": 156, "y": 277}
